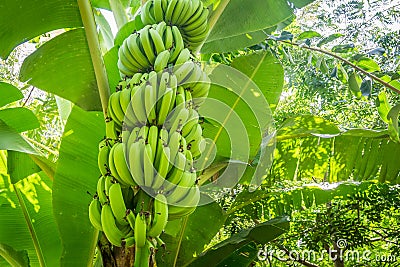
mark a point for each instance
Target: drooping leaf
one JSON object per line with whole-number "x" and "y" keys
{"x": 242, "y": 257}
{"x": 260, "y": 234}
{"x": 354, "y": 84}
{"x": 11, "y": 140}
{"x": 343, "y": 48}
{"x": 27, "y": 221}
{"x": 20, "y": 119}
{"x": 393, "y": 118}
{"x": 13, "y": 257}
{"x": 63, "y": 66}
{"x": 366, "y": 87}
{"x": 77, "y": 173}
{"x": 383, "y": 106}
{"x": 9, "y": 93}
{"x": 308, "y": 35}
{"x": 22, "y": 20}
{"x": 240, "y": 17}
{"x": 329, "y": 39}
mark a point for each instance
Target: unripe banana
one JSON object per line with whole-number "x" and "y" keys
{"x": 139, "y": 109}
{"x": 184, "y": 56}
{"x": 147, "y": 44}
{"x": 101, "y": 190}
{"x": 168, "y": 38}
{"x": 102, "y": 159}
{"x": 173, "y": 144}
{"x": 150, "y": 103}
{"x": 157, "y": 41}
{"x": 148, "y": 159}
{"x": 95, "y": 214}
{"x": 188, "y": 180}
{"x": 158, "y": 10}
{"x": 152, "y": 138}
{"x": 140, "y": 230}
{"x": 130, "y": 217}
{"x": 136, "y": 161}
{"x": 162, "y": 60}
{"x": 184, "y": 71}
{"x": 111, "y": 165}
{"x": 121, "y": 165}
{"x": 179, "y": 44}
{"x": 160, "y": 216}
{"x": 170, "y": 10}
{"x": 175, "y": 175}
{"x": 146, "y": 15}
{"x": 117, "y": 204}
{"x": 110, "y": 229}
{"x": 166, "y": 105}
{"x": 133, "y": 44}
{"x": 187, "y": 8}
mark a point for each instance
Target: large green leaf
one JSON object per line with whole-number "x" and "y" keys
{"x": 192, "y": 235}
{"x": 242, "y": 17}
{"x": 9, "y": 93}
{"x": 27, "y": 221}
{"x": 236, "y": 42}
{"x": 11, "y": 140}
{"x": 22, "y": 20}
{"x": 77, "y": 174}
{"x": 265, "y": 71}
{"x": 260, "y": 234}
{"x": 20, "y": 119}
{"x": 63, "y": 66}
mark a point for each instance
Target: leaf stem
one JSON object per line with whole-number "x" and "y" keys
{"x": 372, "y": 76}
{"x": 183, "y": 229}
{"x": 30, "y": 227}
{"x": 94, "y": 47}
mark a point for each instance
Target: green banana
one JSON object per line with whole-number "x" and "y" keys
{"x": 158, "y": 10}
{"x": 153, "y": 137}
{"x": 178, "y": 44}
{"x": 168, "y": 38}
{"x": 135, "y": 162}
{"x": 130, "y": 217}
{"x": 161, "y": 61}
{"x": 102, "y": 159}
{"x": 110, "y": 229}
{"x": 121, "y": 166}
{"x": 184, "y": 71}
{"x": 137, "y": 105}
{"x": 147, "y": 44}
{"x": 187, "y": 9}
{"x": 175, "y": 175}
{"x": 117, "y": 203}
{"x": 146, "y": 14}
{"x": 173, "y": 144}
{"x": 95, "y": 214}
{"x": 178, "y": 10}
{"x": 157, "y": 41}
{"x": 133, "y": 45}
{"x": 188, "y": 180}
{"x": 148, "y": 167}
{"x": 166, "y": 106}
{"x": 140, "y": 230}
{"x": 160, "y": 220}
{"x": 111, "y": 165}
{"x": 184, "y": 56}
{"x": 170, "y": 10}
{"x": 101, "y": 190}
{"x": 150, "y": 101}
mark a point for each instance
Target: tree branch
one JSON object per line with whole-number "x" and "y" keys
{"x": 372, "y": 76}
{"x": 94, "y": 47}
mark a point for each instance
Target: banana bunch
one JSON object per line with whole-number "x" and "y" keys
{"x": 151, "y": 48}
{"x": 154, "y": 137}
{"x": 190, "y": 16}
